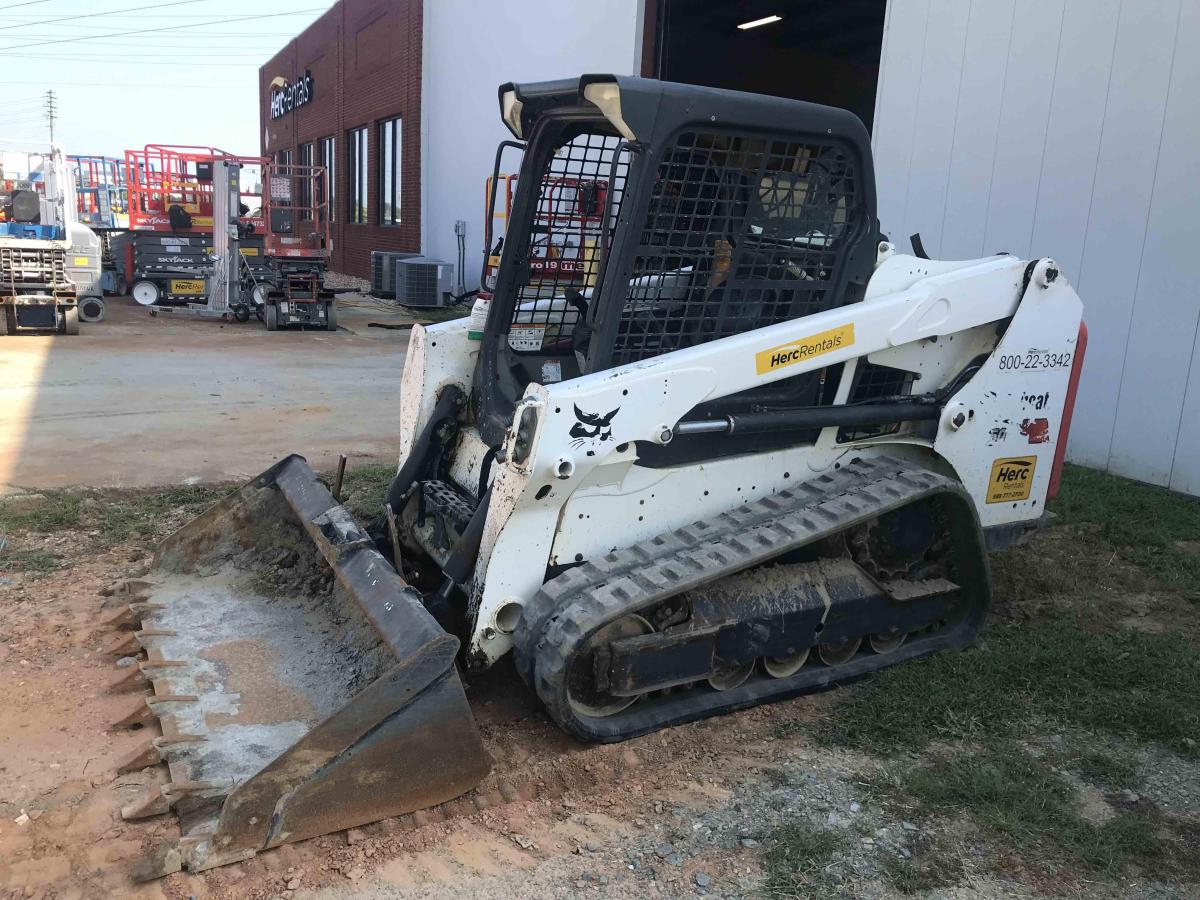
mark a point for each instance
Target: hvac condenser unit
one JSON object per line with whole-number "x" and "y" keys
{"x": 424, "y": 282}
{"x": 383, "y": 269}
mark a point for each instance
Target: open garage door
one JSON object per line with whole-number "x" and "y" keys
{"x": 825, "y": 51}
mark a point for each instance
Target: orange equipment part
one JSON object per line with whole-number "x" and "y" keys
{"x": 162, "y": 176}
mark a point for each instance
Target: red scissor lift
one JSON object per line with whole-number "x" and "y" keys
{"x": 297, "y": 246}
{"x": 168, "y": 255}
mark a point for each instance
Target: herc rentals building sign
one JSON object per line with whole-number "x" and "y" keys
{"x": 287, "y": 96}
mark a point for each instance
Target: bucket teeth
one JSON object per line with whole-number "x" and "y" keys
{"x": 172, "y": 735}
{"x": 175, "y": 791}
{"x": 121, "y": 617}
{"x": 156, "y": 699}
{"x": 166, "y": 860}
{"x": 143, "y": 755}
{"x": 125, "y": 645}
{"x": 127, "y": 680}
{"x": 123, "y": 592}
{"x": 134, "y": 641}
{"x": 152, "y": 803}
{"x": 137, "y": 715}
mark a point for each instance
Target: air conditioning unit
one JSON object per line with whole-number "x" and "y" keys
{"x": 383, "y": 269}
{"x": 424, "y": 282}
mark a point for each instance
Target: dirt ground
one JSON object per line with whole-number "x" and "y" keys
{"x": 692, "y": 811}
{"x": 755, "y": 804}
{"x": 580, "y": 812}
{"x": 141, "y": 400}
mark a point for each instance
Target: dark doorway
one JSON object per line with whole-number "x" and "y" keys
{"x": 826, "y": 51}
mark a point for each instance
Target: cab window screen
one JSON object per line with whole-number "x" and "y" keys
{"x": 742, "y": 231}
{"x": 579, "y": 198}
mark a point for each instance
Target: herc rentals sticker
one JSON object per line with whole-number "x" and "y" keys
{"x": 803, "y": 349}
{"x": 1011, "y": 479}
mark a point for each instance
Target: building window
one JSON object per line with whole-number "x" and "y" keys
{"x": 304, "y": 182}
{"x": 389, "y": 172}
{"x": 326, "y": 158}
{"x": 284, "y": 157}
{"x": 356, "y": 176}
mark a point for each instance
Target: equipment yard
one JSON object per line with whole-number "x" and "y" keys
{"x": 1058, "y": 757}
{"x": 754, "y": 466}
{"x": 158, "y": 400}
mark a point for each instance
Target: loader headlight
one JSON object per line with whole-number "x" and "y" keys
{"x": 510, "y": 112}
{"x": 526, "y": 428}
{"x": 607, "y": 96}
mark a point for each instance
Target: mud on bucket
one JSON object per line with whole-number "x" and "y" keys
{"x": 300, "y": 684}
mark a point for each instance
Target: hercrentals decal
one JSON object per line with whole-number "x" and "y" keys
{"x": 1011, "y": 479}
{"x": 805, "y": 348}
{"x": 287, "y": 96}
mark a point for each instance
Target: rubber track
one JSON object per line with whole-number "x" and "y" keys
{"x": 570, "y": 607}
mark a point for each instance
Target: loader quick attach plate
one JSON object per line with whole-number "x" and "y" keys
{"x": 301, "y": 686}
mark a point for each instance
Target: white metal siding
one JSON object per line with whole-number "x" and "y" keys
{"x": 1066, "y": 128}
{"x": 471, "y": 48}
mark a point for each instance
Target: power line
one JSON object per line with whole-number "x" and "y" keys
{"x": 134, "y": 84}
{"x": 95, "y": 15}
{"x": 70, "y": 40}
{"x": 26, "y": 3}
{"x": 27, "y": 18}
{"x": 190, "y": 40}
{"x": 131, "y": 62}
{"x": 107, "y": 51}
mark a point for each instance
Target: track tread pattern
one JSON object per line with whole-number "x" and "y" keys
{"x": 572, "y": 605}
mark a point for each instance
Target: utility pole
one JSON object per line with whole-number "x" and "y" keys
{"x": 51, "y": 112}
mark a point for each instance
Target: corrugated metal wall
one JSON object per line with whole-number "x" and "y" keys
{"x": 1066, "y": 128}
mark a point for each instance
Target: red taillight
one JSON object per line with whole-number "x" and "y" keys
{"x": 1064, "y": 430}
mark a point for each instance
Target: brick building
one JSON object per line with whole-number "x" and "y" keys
{"x": 362, "y": 120}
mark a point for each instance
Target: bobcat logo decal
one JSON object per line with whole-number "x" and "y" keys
{"x": 592, "y": 427}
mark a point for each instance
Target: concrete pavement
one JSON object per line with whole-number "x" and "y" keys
{"x": 138, "y": 400}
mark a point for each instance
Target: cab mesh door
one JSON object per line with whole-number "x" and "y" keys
{"x": 742, "y": 231}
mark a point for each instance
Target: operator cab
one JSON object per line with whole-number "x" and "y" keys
{"x": 650, "y": 217}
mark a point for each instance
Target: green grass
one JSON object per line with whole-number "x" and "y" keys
{"x": 110, "y": 517}
{"x": 115, "y": 517}
{"x": 1145, "y": 687}
{"x": 1148, "y": 526}
{"x": 794, "y": 859}
{"x": 363, "y": 489}
{"x": 1022, "y": 802}
{"x": 930, "y": 868}
{"x": 139, "y": 515}
{"x": 58, "y": 509}
{"x": 1112, "y": 769}
{"x": 36, "y": 562}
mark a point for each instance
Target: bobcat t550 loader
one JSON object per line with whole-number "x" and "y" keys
{"x": 738, "y": 449}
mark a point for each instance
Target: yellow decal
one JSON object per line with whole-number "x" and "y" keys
{"x": 804, "y": 349}
{"x": 181, "y": 286}
{"x": 1011, "y": 479}
{"x": 81, "y": 261}
{"x": 249, "y": 251}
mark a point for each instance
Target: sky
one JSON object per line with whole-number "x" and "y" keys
{"x": 127, "y": 73}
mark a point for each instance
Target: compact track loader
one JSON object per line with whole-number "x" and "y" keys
{"x": 730, "y": 447}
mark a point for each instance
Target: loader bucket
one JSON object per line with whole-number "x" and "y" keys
{"x": 300, "y": 684}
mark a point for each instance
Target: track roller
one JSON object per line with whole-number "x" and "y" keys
{"x": 785, "y": 666}
{"x": 836, "y": 654}
{"x": 887, "y": 643}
